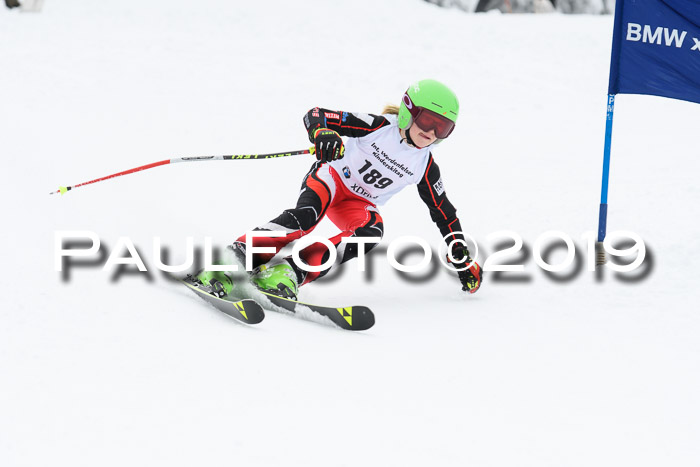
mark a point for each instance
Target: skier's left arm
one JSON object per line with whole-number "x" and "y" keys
{"x": 432, "y": 191}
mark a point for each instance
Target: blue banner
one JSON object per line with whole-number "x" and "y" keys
{"x": 656, "y": 49}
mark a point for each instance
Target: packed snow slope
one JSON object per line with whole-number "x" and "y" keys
{"x": 101, "y": 368}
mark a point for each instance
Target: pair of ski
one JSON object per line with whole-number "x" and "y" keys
{"x": 250, "y": 311}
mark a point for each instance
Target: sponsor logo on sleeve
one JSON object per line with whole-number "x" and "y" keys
{"x": 439, "y": 187}
{"x": 332, "y": 115}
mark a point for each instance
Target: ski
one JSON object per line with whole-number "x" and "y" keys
{"x": 246, "y": 305}
{"x": 351, "y": 318}
{"x": 245, "y": 310}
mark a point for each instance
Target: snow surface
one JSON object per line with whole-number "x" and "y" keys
{"x": 134, "y": 370}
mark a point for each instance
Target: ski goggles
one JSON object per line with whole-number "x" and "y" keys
{"x": 428, "y": 120}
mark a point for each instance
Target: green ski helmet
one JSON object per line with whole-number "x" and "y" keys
{"x": 430, "y": 105}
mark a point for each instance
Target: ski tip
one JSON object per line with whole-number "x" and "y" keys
{"x": 251, "y": 311}
{"x": 355, "y": 318}
{"x": 364, "y": 318}
{"x": 245, "y": 310}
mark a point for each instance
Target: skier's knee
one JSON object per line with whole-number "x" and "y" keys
{"x": 373, "y": 228}
{"x": 303, "y": 219}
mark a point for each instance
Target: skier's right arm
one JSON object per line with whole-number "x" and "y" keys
{"x": 325, "y": 127}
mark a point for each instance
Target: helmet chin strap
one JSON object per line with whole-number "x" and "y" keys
{"x": 409, "y": 140}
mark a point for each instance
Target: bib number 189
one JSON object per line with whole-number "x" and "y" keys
{"x": 374, "y": 176}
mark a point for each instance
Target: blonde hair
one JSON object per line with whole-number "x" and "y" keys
{"x": 391, "y": 109}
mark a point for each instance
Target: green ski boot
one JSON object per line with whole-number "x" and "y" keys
{"x": 220, "y": 284}
{"x": 279, "y": 279}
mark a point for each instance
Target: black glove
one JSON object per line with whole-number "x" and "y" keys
{"x": 470, "y": 277}
{"x": 327, "y": 144}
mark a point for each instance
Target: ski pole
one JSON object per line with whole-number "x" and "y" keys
{"x": 64, "y": 189}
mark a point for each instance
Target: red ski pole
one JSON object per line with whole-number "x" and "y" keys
{"x": 64, "y": 189}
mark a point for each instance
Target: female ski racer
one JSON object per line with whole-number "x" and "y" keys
{"x": 383, "y": 154}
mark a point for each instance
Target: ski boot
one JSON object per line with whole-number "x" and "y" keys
{"x": 218, "y": 282}
{"x": 278, "y": 279}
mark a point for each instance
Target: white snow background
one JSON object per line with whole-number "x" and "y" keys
{"x": 102, "y": 371}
